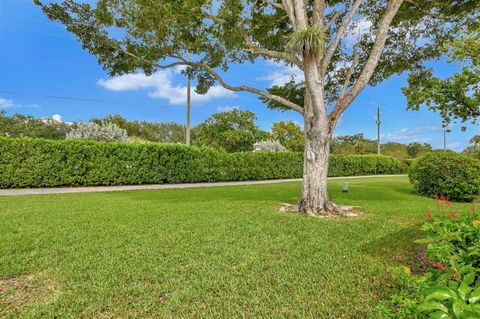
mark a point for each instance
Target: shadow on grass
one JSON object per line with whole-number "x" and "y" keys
{"x": 396, "y": 248}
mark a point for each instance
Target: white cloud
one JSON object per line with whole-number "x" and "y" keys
{"x": 163, "y": 88}
{"x": 282, "y": 74}
{"x": 413, "y": 133}
{"x": 227, "y": 108}
{"x": 357, "y": 29}
{"x": 4, "y": 103}
{"x": 7, "y": 103}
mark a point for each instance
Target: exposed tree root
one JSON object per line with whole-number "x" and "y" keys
{"x": 330, "y": 210}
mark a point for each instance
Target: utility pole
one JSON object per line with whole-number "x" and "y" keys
{"x": 444, "y": 139}
{"x": 446, "y": 130}
{"x": 379, "y": 124}
{"x": 188, "y": 107}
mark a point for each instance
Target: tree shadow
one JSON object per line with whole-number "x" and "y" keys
{"x": 395, "y": 249}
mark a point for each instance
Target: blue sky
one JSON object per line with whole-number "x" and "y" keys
{"x": 39, "y": 59}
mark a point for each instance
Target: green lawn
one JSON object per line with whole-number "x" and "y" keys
{"x": 204, "y": 253}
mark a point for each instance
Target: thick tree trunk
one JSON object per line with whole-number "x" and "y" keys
{"x": 314, "y": 199}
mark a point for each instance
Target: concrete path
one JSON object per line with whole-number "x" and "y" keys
{"x": 97, "y": 189}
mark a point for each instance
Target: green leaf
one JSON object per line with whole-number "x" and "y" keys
{"x": 474, "y": 296}
{"x": 475, "y": 308}
{"x": 430, "y": 306}
{"x": 459, "y": 308}
{"x": 469, "y": 278}
{"x": 440, "y": 315}
{"x": 441, "y": 294}
{"x": 463, "y": 290}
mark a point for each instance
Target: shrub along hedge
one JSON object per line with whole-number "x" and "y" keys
{"x": 45, "y": 163}
{"x": 455, "y": 176}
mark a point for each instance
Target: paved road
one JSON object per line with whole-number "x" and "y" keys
{"x": 96, "y": 189}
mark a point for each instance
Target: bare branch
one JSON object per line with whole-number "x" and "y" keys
{"x": 267, "y": 95}
{"x": 355, "y": 60}
{"x": 274, "y": 4}
{"x": 289, "y": 8}
{"x": 371, "y": 63}
{"x": 301, "y": 16}
{"x": 318, "y": 13}
{"x": 339, "y": 34}
{"x": 334, "y": 19}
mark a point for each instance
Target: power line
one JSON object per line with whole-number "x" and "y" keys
{"x": 69, "y": 98}
{"x": 11, "y": 52}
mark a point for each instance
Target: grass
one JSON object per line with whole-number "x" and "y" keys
{"x": 206, "y": 253}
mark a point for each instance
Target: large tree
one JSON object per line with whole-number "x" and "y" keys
{"x": 233, "y": 131}
{"x": 289, "y": 134}
{"x": 321, "y": 38}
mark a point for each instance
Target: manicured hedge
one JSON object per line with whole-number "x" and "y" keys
{"x": 45, "y": 163}
{"x": 357, "y": 165}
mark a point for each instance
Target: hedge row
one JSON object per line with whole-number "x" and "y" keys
{"x": 44, "y": 163}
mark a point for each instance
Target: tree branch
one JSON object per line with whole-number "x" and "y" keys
{"x": 289, "y": 8}
{"x": 339, "y": 34}
{"x": 371, "y": 63}
{"x": 274, "y": 4}
{"x": 334, "y": 19}
{"x": 251, "y": 47}
{"x": 318, "y": 13}
{"x": 267, "y": 95}
{"x": 355, "y": 60}
{"x": 220, "y": 80}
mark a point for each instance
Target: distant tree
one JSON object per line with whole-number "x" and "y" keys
{"x": 353, "y": 144}
{"x": 107, "y": 132}
{"x": 19, "y": 125}
{"x": 289, "y": 134}
{"x": 474, "y": 148}
{"x": 166, "y": 132}
{"x": 396, "y": 150}
{"x": 357, "y": 145}
{"x": 234, "y": 131}
{"x": 416, "y": 149}
{"x": 268, "y": 146}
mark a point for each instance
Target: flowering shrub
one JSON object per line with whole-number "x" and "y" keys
{"x": 452, "y": 175}
{"x": 451, "y": 287}
{"x": 107, "y": 132}
{"x": 268, "y": 146}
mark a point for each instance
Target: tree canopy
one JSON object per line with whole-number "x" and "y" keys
{"x": 233, "y": 131}
{"x": 457, "y": 96}
{"x": 131, "y": 35}
{"x": 289, "y": 134}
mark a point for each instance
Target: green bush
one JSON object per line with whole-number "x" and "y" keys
{"x": 44, "y": 163}
{"x": 455, "y": 176}
{"x": 451, "y": 286}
